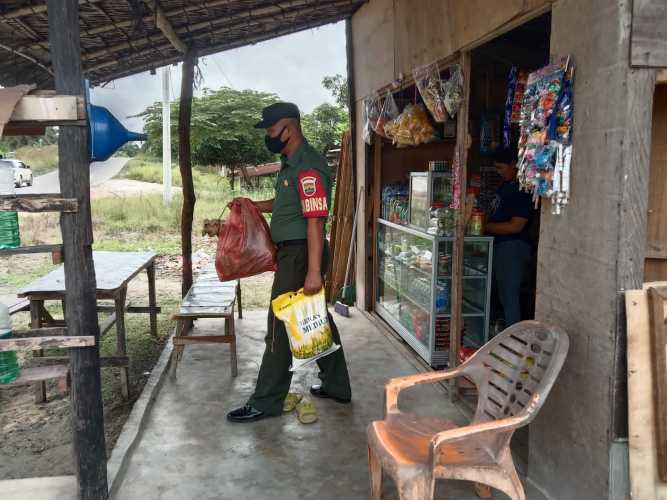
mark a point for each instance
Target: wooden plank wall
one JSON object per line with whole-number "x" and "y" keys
{"x": 649, "y": 33}
{"x": 586, "y": 254}
{"x": 395, "y": 36}
{"x": 656, "y": 239}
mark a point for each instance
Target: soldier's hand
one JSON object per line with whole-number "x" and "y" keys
{"x": 313, "y": 283}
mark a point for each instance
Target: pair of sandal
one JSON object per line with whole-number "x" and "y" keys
{"x": 304, "y": 407}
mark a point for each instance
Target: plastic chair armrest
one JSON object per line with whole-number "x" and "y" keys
{"x": 396, "y": 385}
{"x": 474, "y": 430}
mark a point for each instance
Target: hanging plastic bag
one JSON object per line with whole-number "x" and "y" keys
{"x": 430, "y": 86}
{"x": 454, "y": 91}
{"x": 388, "y": 113}
{"x": 371, "y": 113}
{"x": 245, "y": 247}
{"x": 411, "y": 128}
{"x": 307, "y": 323}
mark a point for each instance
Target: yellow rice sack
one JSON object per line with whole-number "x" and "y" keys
{"x": 307, "y": 325}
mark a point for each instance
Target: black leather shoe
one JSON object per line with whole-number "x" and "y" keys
{"x": 246, "y": 413}
{"x": 317, "y": 391}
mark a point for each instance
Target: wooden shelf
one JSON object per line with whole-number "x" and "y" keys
{"x": 49, "y": 108}
{"x": 39, "y": 343}
{"x": 38, "y": 374}
{"x": 38, "y": 203}
{"x": 32, "y": 249}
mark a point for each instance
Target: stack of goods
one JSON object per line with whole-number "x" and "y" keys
{"x": 516, "y": 86}
{"x": 490, "y": 181}
{"x": 411, "y": 128}
{"x": 442, "y": 328}
{"x": 432, "y": 90}
{"x": 9, "y": 221}
{"x": 545, "y": 144}
{"x": 444, "y": 265}
{"x": 395, "y": 203}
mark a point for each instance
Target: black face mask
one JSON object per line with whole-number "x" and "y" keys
{"x": 275, "y": 144}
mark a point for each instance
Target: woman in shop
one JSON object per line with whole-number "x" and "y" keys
{"x": 509, "y": 223}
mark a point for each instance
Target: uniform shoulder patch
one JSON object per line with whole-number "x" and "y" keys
{"x": 312, "y": 193}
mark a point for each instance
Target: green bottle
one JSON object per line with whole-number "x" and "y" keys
{"x": 9, "y": 366}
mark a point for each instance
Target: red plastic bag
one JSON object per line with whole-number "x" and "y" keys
{"x": 245, "y": 247}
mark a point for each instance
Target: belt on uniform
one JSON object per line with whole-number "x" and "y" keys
{"x": 289, "y": 243}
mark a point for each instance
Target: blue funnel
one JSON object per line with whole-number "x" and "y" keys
{"x": 107, "y": 134}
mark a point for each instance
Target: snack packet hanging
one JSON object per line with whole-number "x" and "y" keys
{"x": 372, "y": 109}
{"x": 388, "y": 113}
{"x": 307, "y": 323}
{"x": 430, "y": 86}
{"x": 454, "y": 91}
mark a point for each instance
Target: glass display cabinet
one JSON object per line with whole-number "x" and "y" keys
{"x": 414, "y": 282}
{"x": 426, "y": 190}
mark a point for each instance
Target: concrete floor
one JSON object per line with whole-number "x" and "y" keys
{"x": 190, "y": 451}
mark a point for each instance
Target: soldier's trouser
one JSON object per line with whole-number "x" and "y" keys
{"x": 273, "y": 381}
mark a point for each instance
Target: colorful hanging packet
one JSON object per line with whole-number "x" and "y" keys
{"x": 509, "y": 102}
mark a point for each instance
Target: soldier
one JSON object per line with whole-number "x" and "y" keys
{"x": 299, "y": 210}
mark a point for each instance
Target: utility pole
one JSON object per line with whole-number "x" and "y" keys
{"x": 166, "y": 138}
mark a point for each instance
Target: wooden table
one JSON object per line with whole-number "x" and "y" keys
{"x": 113, "y": 272}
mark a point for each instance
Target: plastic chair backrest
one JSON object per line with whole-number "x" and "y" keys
{"x": 515, "y": 370}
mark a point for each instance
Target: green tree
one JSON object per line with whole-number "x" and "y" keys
{"x": 337, "y": 85}
{"x": 222, "y": 128}
{"x": 324, "y": 126}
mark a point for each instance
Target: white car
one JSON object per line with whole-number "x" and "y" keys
{"x": 22, "y": 172}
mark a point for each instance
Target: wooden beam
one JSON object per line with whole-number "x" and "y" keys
{"x": 40, "y": 332}
{"x": 204, "y": 339}
{"x": 49, "y": 108}
{"x": 33, "y": 9}
{"x": 38, "y": 374}
{"x": 213, "y": 49}
{"x": 661, "y": 77}
{"x": 38, "y": 203}
{"x": 32, "y": 249}
{"x": 185, "y": 166}
{"x": 462, "y": 145}
{"x": 105, "y": 361}
{"x": 89, "y": 446}
{"x": 167, "y": 30}
{"x": 38, "y": 343}
{"x": 288, "y": 13}
{"x": 108, "y": 324}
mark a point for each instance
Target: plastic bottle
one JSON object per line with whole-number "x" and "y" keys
{"x": 9, "y": 221}
{"x": 9, "y": 367}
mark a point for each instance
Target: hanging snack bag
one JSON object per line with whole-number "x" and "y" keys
{"x": 388, "y": 113}
{"x": 430, "y": 86}
{"x": 454, "y": 91}
{"x": 372, "y": 109}
{"x": 245, "y": 247}
{"x": 307, "y": 323}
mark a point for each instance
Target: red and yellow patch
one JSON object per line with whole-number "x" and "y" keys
{"x": 312, "y": 194}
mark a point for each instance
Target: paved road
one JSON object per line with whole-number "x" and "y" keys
{"x": 99, "y": 172}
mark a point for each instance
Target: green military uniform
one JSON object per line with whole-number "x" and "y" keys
{"x": 303, "y": 189}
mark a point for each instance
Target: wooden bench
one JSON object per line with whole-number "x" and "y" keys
{"x": 36, "y": 340}
{"x": 207, "y": 298}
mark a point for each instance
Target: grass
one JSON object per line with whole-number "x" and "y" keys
{"x": 143, "y": 222}
{"x": 42, "y": 159}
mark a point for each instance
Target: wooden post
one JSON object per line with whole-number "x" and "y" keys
{"x": 81, "y": 313}
{"x": 457, "y": 258}
{"x": 185, "y": 165}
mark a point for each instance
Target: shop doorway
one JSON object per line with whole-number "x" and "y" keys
{"x": 521, "y": 50}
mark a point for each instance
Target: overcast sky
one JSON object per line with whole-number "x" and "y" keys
{"x": 291, "y": 66}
